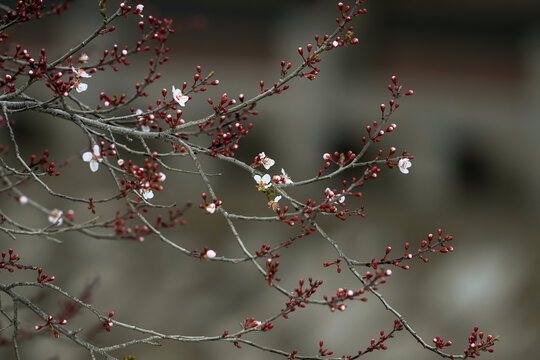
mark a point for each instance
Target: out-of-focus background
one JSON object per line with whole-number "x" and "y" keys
{"x": 472, "y": 126}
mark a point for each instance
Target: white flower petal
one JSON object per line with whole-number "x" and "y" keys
{"x": 404, "y": 165}
{"x": 97, "y": 152}
{"x": 147, "y": 194}
{"x": 81, "y": 87}
{"x": 87, "y": 156}
{"x": 94, "y": 165}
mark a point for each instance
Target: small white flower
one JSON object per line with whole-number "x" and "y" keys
{"x": 327, "y": 156}
{"x": 140, "y": 8}
{"x": 179, "y": 97}
{"x": 161, "y": 177}
{"x": 331, "y": 196}
{"x": 263, "y": 182}
{"x": 83, "y": 58}
{"x": 274, "y": 204}
{"x": 266, "y": 161}
{"x": 335, "y": 43}
{"x": 81, "y": 73}
{"x": 147, "y": 193}
{"x": 257, "y": 323}
{"x": 80, "y": 87}
{"x": 22, "y": 199}
{"x": 210, "y": 208}
{"x": 285, "y": 177}
{"x": 404, "y": 165}
{"x": 93, "y": 158}
{"x": 55, "y": 217}
{"x": 211, "y": 254}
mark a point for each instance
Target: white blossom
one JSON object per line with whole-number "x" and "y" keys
{"x": 81, "y": 73}
{"x": 93, "y": 158}
{"x": 263, "y": 182}
{"x": 147, "y": 193}
{"x": 404, "y": 165}
{"x": 55, "y": 217}
{"x": 179, "y": 97}
{"x": 266, "y": 161}
{"x": 210, "y": 208}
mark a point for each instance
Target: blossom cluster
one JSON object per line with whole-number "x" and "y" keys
{"x": 264, "y": 182}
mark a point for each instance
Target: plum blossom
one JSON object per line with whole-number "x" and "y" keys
{"x": 55, "y": 217}
{"x": 80, "y": 73}
{"x": 93, "y": 158}
{"x": 404, "y": 165}
{"x": 138, "y": 10}
{"x": 147, "y": 193}
{"x": 266, "y": 161}
{"x": 83, "y": 58}
{"x": 326, "y": 156}
{"x": 331, "y": 196}
{"x": 285, "y": 177}
{"x": 179, "y": 97}
{"x": 161, "y": 177}
{"x": 274, "y": 203}
{"x": 80, "y": 86}
{"x": 210, "y": 254}
{"x": 263, "y": 182}
{"x": 210, "y": 208}
{"x": 22, "y": 199}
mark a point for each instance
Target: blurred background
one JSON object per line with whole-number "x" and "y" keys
{"x": 472, "y": 126}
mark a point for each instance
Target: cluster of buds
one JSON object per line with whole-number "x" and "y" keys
{"x": 272, "y": 269}
{"x": 300, "y": 296}
{"x": 324, "y": 351}
{"x": 310, "y": 59}
{"x": 144, "y": 179}
{"x": 210, "y": 207}
{"x": 380, "y": 344}
{"x": 44, "y": 163}
{"x": 108, "y": 101}
{"x": 43, "y": 278}
{"x": 341, "y": 159}
{"x": 10, "y": 263}
{"x": 174, "y": 218}
{"x": 337, "y": 301}
{"x": 122, "y": 230}
{"x": 336, "y": 262}
{"x": 51, "y": 325}
{"x": 440, "y": 343}
{"x": 478, "y": 343}
{"x": 250, "y": 323}
{"x": 108, "y": 324}
{"x": 200, "y": 83}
